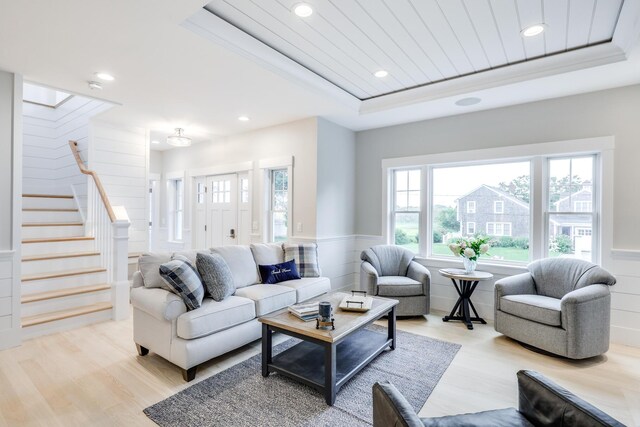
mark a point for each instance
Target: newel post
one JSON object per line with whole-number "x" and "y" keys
{"x": 120, "y": 257}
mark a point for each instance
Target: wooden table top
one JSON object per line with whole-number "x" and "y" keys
{"x": 345, "y": 321}
{"x": 460, "y": 274}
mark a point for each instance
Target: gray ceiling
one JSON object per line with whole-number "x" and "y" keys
{"x": 419, "y": 42}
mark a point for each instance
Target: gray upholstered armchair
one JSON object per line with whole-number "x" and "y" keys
{"x": 562, "y": 305}
{"x": 390, "y": 271}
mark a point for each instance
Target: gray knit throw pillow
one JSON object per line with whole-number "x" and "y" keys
{"x": 216, "y": 275}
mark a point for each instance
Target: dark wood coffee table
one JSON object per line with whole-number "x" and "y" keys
{"x": 327, "y": 359}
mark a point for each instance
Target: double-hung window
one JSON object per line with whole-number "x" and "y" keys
{"x": 406, "y": 208}
{"x": 279, "y": 205}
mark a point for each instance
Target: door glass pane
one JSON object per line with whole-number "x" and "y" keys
{"x": 571, "y": 236}
{"x": 279, "y": 226}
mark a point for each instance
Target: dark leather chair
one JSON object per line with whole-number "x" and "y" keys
{"x": 541, "y": 403}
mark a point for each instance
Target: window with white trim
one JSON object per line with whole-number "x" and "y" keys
{"x": 406, "y": 208}
{"x": 498, "y": 206}
{"x": 547, "y": 225}
{"x": 471, "y": 228}
{"x": 471, "y": 206}
{"x": 279, "y": 205}
{"x": 177, "y": 186}
{"x": 498, "y": 229}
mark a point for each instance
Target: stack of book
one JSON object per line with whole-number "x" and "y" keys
{"x": 306, "y": 312}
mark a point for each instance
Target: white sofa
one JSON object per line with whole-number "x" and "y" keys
{"x": 162, "y": 324}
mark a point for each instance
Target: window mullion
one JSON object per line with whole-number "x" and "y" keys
{"x": 539, "y": 206}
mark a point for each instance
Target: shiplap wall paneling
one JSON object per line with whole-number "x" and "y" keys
{"x": 120, "y": 157}
{"x": 625, "y": 299}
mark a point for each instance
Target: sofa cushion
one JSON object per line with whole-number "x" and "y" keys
{"x": 267, "y": 253}
{"x": 399, "y": 286}
{"x": 214, "y": 316}
{"x": 183, "y": 280}
{"x": 241, "y": 263}
{"x": 308, "y": 287}
{"x": 276, "y": 273}
{"x": 508, "y": 417}
{"x": 268, "y": 298}
{"x": 216, "y": 276}
{"x": 538, "y": 308}
{"x": 149, "y": 266}
{"x": 306, "y": 257}
{"x": 190, "y": 255}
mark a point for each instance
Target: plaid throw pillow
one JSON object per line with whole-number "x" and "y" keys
{"x": 183, "y": 280}
{"x": 305, "y": 256}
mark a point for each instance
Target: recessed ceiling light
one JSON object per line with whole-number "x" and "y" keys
{"x": 533, "y": 30}
{"x": 105, "y": 76}
{"x": 303, "y": 10}
{"x": 381, "y": 73}
{"x": 464, "y": 102}
{"x": 155, "y": 142}
{"x": 95, "y": 85}
{"x": 243, "y": 118}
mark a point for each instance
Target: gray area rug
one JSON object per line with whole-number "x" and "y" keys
{"x": 240, "y": 396}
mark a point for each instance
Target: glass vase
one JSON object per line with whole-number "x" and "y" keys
{"x": 469, "y": 265}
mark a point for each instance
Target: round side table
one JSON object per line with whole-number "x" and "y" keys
{"x": 465, "y": 285}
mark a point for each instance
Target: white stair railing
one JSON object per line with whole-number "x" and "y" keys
{"x": 109, "y": 225}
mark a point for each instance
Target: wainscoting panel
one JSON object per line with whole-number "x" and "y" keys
{"x": 625, "y": 298}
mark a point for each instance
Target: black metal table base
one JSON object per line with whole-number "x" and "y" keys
{"x": 462, "y": 308}
{"x": 323, "y": 365}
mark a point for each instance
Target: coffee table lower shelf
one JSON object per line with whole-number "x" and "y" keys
{"x": 305, "y": 362}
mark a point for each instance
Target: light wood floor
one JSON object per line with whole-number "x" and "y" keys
{"x": 93, "y": 376}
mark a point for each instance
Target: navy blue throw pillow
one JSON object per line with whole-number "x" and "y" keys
{"x": 277, "y": 273}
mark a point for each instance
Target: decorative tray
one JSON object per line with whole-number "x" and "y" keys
{"x": 359, "y": 303}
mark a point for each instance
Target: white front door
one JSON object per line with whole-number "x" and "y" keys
{"x": 222, "y": 210}
{"x": 244, "y": 209}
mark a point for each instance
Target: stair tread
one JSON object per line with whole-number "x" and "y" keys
{"x": 59, "y": 256}
{"x": 49, "y": 196}
{"x": 59, "y": 293}
{"x": 64, "y": 314}
{"x": 52, "y": 224}
{"x": 56, "y": 239}
{"x": 43, "y": 276}
{"x": 48, "y": 210}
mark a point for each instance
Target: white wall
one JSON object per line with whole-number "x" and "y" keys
{"x": 296, "y": 139}
{"x": 10, "y": 205}
{"x": 120, "y": 156}
{"x": 612, "y": 112}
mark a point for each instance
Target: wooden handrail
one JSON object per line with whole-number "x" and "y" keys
{"x": 96, "y": 180}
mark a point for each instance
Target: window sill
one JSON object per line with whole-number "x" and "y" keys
{"x": 494, "y": 268}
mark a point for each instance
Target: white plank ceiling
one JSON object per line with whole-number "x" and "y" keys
{"x": 419, "y": 42}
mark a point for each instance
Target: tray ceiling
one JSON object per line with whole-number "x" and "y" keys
{"x": 419, "y": 42}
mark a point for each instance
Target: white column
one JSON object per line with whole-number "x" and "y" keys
{"x": 120, "y": 259}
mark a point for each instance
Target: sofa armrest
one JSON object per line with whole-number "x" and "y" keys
{"x": 159, "y": 303}
{"x": 421, "y": 274}
{"x": 368, "y": 278}
{"x": 543, "y": 402}
{"x": 390, "y": 408}
{"x": 137, "y": 281}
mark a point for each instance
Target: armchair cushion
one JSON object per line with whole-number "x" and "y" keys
{"x": 538, "y": 308}
{"x": 399, "y": 286}
{"x": 388, "y": 260}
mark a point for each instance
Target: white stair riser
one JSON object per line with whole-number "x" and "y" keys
{"x": 64, "y": 303}
{"x": 66, "y": 324}
{"x": 50, "y": 216}
{"x": 33, "y": 286}
{"x": 66, "y": 247}
{"x": 59, "y": 264}
{"x": 52, "y": 231}
{"x": 49, "y": 203}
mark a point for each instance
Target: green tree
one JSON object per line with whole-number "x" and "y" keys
{"x": 446, "y": 220}
{"x": 520, "y": 187}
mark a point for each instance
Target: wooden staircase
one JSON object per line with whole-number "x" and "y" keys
{"x": 64, "y": 284}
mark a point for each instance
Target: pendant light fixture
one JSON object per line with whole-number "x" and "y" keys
{"x": 179, "y": 140}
